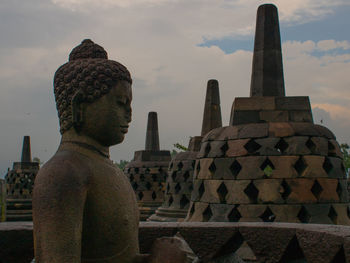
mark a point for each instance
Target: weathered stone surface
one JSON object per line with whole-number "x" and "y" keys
{"x": 297, "y": 145}
{"x": 250, "y": 167}
{"x": 300, "y": 116}
{"x": 223, "y": 169}
{"x": 274, "y": 116}
{"x": 235, "y": 189}
{"x": 328, "y": 190}
{"x": 254, "y": 103}
{"x": 254, "y": 130}
{"x": 268, "y": 146}
{"x": 217, "y": 149}
{"x": 245, "y": 117}
{"x": 283, "y": 166}
{"x": 269, "y": 191}
{"x": 205, "y": 172}
{"x": 313, "y": 167}
{"x": 267, "y": 71}
{"x": 300, "y": 189}
{"x": 152, "y": 135}
{"x": 325, "y": 132}
{"x": 299, "y": 103}
{"x": 280, "y": 129}
{"x": 286, "y": 213}
{"x": 210, "y": 194}
{"x": 236, "y": 148}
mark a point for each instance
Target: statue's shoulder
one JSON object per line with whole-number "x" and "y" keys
{"x": 65, "y": 167}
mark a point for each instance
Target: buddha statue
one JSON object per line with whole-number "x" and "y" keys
{"x": 84, "y": 209}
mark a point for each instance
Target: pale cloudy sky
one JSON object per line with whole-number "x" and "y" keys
{"x": 171, "y": 47}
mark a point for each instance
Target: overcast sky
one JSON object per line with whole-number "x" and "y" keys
{"x": 172, "y": 48}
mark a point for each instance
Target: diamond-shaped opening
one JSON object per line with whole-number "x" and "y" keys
{"x": 154, "y": 177}
{"x": 154, "y": 195}
{"x": 190, "y": 188}
{"x": 148, "y": 185}
{"x": 281, "y": 146}
{"x": 134, "y": 185}
{"x": 193, "y": 163}
{"x": 131, "y": 178}
{"x": 303, "y": 215}
{"x": 186, "y": 175}
{"x": 251, "y": 146}
{"x": 212, "y": 167}
{"x": 311, "y": 145}
{"x": 207, "y": 214}
{"x": 267, "y": 216}
{"x": 300, "y": 166}
{"x": 142, "y": 178}
{"x": 207, "y": 149}
{"x": 348, "y": 211}
{"x": 339, "y": 190}
{"x": 327, "y": 165}
{"x": 167, "y": 187}
{"x": 171, "y": 200}
{"x": 267, "y": 167}
{"x": 137, "y": 169}
{"x": 222, "y": 192}
{"x": 173, "y": 175}
{"x": 184, "y": 201}
{"x": 286, "y": 190}
{"x": 224, "y": 148}
{"x": 191, "y": 210}
{"x": 234, "y": 215}
{"x": 340, "y": 256}
{"x": 252, "y": 192}
{"x": 316, "y": 189}
{"x": 235, "y": 168}
{"x": 140, "y": 195}
{"x": 171, "y": 165}
{"x": 198, "y": 166}
{"x": 231, "y": 246}
{"x": 293, "y": 252}
{"x": 147, "y": 170}
{"x": 180, "y": 165}
{"x": 177, "y": 188}
{"x": 201, "y": 190}
{"x": 332, "y": 214}
{"x": 331, "y": 149}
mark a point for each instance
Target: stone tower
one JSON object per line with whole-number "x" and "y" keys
{"x": 273, "y": 164}
{"x": 19, "y": 185}
{"x": 147, "y": 172}
{"x": 179, "y": 183}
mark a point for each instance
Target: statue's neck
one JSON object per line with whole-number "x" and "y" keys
{"x": 73, "y": 138}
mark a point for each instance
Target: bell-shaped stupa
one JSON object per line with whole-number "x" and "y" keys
{"x": 272, "y": 164}
{"x": 148, "y": 171}
{"x": 19, "y": 186}
{"x": 179, "y": 184}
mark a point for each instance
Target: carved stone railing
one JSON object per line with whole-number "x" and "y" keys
{"x": 262, "y": 242}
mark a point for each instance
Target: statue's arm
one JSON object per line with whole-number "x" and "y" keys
{"x": 58, "y": 204}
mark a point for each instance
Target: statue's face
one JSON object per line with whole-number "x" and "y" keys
{"x": 107, "y": 119}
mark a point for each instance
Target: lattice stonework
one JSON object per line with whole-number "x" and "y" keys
{"x": 179, "y": 186}
{"x": 271, "y": 172}
{"x": 148, "y": 181}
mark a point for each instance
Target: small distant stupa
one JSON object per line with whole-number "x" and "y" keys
{"x": 19, "y": 185}
{"x": 148, "y": 171}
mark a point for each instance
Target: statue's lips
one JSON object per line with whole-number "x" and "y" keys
{"x": 124, "y": 128}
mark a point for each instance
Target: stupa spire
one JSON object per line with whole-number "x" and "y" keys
{"x": 26, "y": 152}
{"x": 267, "y": 70}
{"x": 212, "y": 110}
{"x": 152, "y": 135}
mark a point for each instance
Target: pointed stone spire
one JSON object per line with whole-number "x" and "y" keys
{"x": 267, "y": 71}
{"x": 26, "y": 152}
{"x": 212, "y": 110}
{"x": 152, "y": 136}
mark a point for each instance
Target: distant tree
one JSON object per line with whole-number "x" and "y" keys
{"x": 37, "y": 160}
{"x": 121, "y": 165}
{"x": 345, "y": 149}
{"x": 180, "y": 147}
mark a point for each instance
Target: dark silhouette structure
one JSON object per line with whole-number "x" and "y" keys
{"x": 273, "y": 164}
{"x": 19, "y": 186}
{"x": 148, "y": 171}
{"x": 179, "y": 183}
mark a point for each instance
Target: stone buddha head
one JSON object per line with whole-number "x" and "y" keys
{"x": 93, "y": 95}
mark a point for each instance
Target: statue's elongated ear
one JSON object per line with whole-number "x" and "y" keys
{"x": 77, "y": 111}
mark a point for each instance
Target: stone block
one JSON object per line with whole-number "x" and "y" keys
{"x": 313, "y": 166}
{"x": 210, "y": 194}
{"x": 318, "y": 146}
{"x": 268, "y": 146}
{"x": 250, "y": 167}
{"x": 318, "y": 213}
{"x": 334, "y": 149}
{"x": 253, "y": 130}
{"x": 300, "y": 116}
{"x": 274, "y": 116}
{"x": 254, "y": 103}
{"x": 204, "y": 150}
{"x": 293, "y": 103}
{"x": 223, "y": 168}
{"x": 304, "y": 129}
{"x": 206, "y": 168}
{"x": 285, "y": 213}
{"x": 342, "y": 190}
{"x": 300, "y": 191}
{"x": 217, "y": 149}
{"x": 324, "y": 132}
{"x": 269, "y": 191}
{"x": 236, "y": 148}
{"x": 296, "y": 145}
{"x": 328, "y": 193}
{"x": 280, "y": 129}
{"x": 198, "y": 190}
{"x": 198, "y": 210}
{"x": 224, "y": 133}
{"x": 245, "y": 117}
{"x": 236, "y": 193}
{"x": 284, "y": 166}
{"x": 334, "y": 167}
{"x": 220, "y": 212}
{"x": 342, "y": 214}
{"x": 251, "y": 213}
